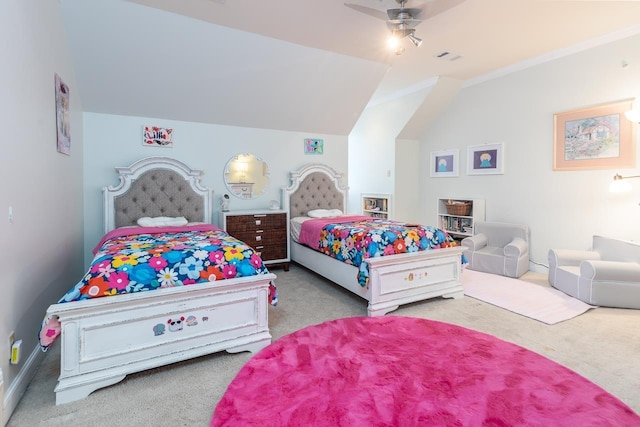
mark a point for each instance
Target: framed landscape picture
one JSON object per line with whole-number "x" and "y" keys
{"x": 486, "y": 159}
{"x": 444, "y": 163}
{"x": 598, "y": 137}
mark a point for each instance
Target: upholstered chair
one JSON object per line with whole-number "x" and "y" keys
{"x": 607, "y": 275}
{"x": 498, "y": 248}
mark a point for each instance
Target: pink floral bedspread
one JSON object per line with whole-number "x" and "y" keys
{"x": 355, "y": 238}
{"x": 139, "y": 259}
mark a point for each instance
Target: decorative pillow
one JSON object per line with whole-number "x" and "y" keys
{"x": 49, "y": 330}
{"x": 162, "y": 221}
{"x": 324, "y": 213}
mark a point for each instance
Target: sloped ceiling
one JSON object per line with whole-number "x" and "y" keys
{"x": 139, "y": 61}
{"x": 305, "y": 65}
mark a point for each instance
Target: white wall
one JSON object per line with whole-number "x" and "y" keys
{"x": 112, "y": 141}
{"x": 41, "y": 250}
{"x": 372, "y": 149}
{"x": 406, "y": 194}
{"x": 562, "y": 208}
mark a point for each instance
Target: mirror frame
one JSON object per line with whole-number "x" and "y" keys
{"x": 243, "y": 187}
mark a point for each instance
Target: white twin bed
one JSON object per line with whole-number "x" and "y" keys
{"x": 104, "y": 339}
{"x": 394, "y": 279}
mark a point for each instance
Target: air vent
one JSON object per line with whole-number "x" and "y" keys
{"x": 448, "y": 56}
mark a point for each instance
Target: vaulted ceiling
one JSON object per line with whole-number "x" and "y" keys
{"x": 304, "y": 65}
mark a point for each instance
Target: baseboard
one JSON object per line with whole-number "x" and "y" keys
{"x": 2, "y": 420}
{"x": 538, "y": 268}
{"x": 19, "y": 384}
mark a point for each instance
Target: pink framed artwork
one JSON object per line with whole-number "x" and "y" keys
{"x": 597, "y": 137}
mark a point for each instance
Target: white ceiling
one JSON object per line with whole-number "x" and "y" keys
{"x": 307, "y": 65}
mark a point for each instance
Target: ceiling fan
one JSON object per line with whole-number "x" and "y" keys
{"x": 402, "y": 21}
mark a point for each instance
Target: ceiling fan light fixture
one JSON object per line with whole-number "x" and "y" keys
{"x": 393, "y": 42}
{"x": 417, "y": 41}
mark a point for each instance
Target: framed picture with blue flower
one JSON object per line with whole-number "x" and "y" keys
{"x": 444, "y": 164}
{"x": 313, "y": 146}
{"x": 486, "y": 159}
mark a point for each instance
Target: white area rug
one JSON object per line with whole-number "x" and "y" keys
{"x": 545, "y": 304}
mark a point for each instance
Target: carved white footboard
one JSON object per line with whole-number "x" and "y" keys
{"x": 393, "y": 280}
{"x": 400, "y": 279}
{"x": 105, "y": 339}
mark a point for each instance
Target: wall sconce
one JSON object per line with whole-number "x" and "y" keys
{"x": 619, "y": 185}
{"x": 633, "y": 115}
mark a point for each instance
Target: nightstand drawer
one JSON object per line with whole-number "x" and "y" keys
{"x": 271, "y": 252}
{"x": 255, "y": 222}
{"x": 265, "y": 237}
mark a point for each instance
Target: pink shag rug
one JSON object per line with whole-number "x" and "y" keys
{"x": 403, "y": 371}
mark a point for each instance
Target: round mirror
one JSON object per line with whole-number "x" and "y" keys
{"x": 246, "y": 176}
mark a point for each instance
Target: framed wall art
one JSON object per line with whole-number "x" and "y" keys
{"x": 598, "y": 137}
{"x": 154, "y": 136}
{"x": 313, "y": 146}
{"x": 444, "y": 163}
{"x": 62, "y": 117}
{"x": 486, "y": 159}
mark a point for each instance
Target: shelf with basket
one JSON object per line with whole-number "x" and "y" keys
{"x": 376, "y": 205}
{"x": 458, "y": 216}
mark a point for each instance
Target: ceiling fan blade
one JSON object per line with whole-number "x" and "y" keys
{"x": 435, "y": 7}
{"x": 368, "y": 10}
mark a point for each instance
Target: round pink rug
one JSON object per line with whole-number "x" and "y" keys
{"x": 403, "y": 371}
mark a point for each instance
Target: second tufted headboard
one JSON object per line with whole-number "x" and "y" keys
{"x": 156, "y": 186}
{"x": 314, "y": 186}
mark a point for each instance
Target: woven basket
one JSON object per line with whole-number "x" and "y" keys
{"x": 463, "y": 209}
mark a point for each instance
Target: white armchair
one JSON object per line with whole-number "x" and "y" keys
{"x": 498, "y": 248}
{"x": 607, "y": 275}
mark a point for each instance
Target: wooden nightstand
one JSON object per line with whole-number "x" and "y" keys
{"x": 267, "y": 231}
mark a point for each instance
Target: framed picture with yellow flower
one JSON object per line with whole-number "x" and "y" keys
{"x": 444, "y": 163}
{"x": 486, "y": 159}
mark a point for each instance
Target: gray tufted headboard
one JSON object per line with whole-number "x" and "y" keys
{"x": 156, "y": 186}
{"x": 314, "y": 186}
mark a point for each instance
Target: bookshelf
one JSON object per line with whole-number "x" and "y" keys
{"x": 459, "y": 224}
{"x": 376, "y": 205}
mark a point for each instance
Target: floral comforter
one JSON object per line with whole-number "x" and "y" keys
{"x": 138, "y": 259}
{"x": 353, "y": 239}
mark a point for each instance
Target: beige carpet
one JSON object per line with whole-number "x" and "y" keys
{"x": 601, "y": 345}
{"x": 545, "y": 304}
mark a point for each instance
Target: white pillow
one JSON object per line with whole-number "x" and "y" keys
{"x": 299, "y": 219}
{"x": 162, "y": 221}
{"x": 324, "y": 213}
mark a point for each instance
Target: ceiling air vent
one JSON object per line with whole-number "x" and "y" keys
{"x": 448, "y": 56}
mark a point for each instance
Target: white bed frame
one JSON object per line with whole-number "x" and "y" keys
{"x": 394, "y": 280}
{"x": 104, "y": 339}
